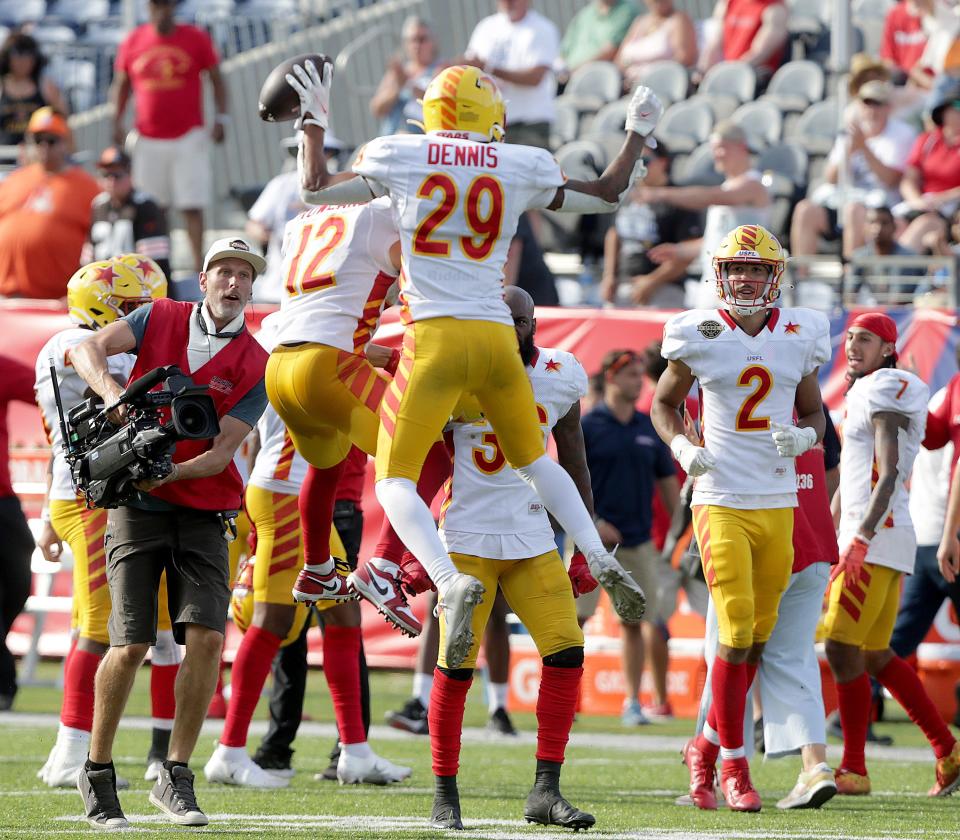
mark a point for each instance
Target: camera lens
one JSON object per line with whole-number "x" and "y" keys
{"x": 192, "y": 419}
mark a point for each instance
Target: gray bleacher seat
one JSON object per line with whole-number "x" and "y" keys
{"x": 816, "y": 129}
{"x": 685, "y": 125}
{"x": 82, "y": 11}
{"x": 586, "y": 158}
{"x": 720, "y": 106}
{"x": 668, "y": 79}
{"x": 871, "y": 34}
{"x": 593, "y": 85}
{"x": 77, "y": 79}
{"x": 762, "y": 121}
{"x": 22, "y": 11}
{"x": 53, "y": 34}
{"x": 867, "y": 9}
{"x": 610, "y": 119}
{"x": 566, "y": 124}
{"x": 795, "y": 85}
{"x": 695, "y": 169}
{"x": 730, "y": 78}
{"x": 786, "y": 160}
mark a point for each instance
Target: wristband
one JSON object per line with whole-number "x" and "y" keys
{"x": 862, "y": 538}
{"x": 391, "y": 366}
{"x": 678, "y": 444}
{"x": 45, "y": 515}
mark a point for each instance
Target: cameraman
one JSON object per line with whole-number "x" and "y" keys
{"x": 178, "y": 523}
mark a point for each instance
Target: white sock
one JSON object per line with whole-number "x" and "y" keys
{"x": 496, "y": 696}
{"x": 321, "y": 568}
{"x": 728, "y": 754}
{"x": 711, "y": 734}
{"x": 69, "y": 733}
{"x": 413, "y": 522}
{"x": 232, "y": 753}
{"x": 422, "y": 684}
{"x": 360, "y": 750}
{"x": 162, "y": 723}
{"x": 557, "y": 491}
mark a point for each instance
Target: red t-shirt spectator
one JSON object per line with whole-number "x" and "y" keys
{"x": 943, "y": 421}
{"x": 938, "y": 163}
{"x": 16, "y": 383}
{"x": 165, "y": 74}
{"x": 741, "y": 23}
{"x": 903, "y": 39}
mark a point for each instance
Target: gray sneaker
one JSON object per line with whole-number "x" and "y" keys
{"x": 458, "y": 603}
{"x": 173, "y": 794}
{"x": 628, "y": 600}
{"x": 101, "y": 804}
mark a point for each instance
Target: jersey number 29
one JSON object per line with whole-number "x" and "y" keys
{"x": 484, "y": 222}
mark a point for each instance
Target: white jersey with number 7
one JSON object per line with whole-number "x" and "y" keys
{"x": 456, "y": 203}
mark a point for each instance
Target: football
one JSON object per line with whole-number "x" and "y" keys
{"x": 278, "y": 101}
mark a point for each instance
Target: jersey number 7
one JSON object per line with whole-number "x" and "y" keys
{"x": 482, "y": 208}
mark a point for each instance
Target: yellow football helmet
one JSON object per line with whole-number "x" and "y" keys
{"x": 466, "y": 101}
{"x": 103, "y": 291}
{"x": 749, "y": 244}
{"x": 150, "y": 273}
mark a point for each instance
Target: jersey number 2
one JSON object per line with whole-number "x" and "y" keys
{"x": 484, "y": 222}
{"x": 329, "y": 234}
{"x": 761, "y": 380}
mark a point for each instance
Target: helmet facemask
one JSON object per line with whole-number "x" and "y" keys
{"x": 768, "y": 291}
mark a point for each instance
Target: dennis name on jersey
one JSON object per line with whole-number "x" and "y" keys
{"x": 447, "y": 154}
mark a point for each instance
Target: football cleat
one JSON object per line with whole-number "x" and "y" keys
{"x": 68, "y": 762}
{"x": 948, "y": 773}
{"x": 658, "y": 712}
{"x": 411, "y": 718}
{"x": 850, "y": 783}
{"x": 446, "y": 804}
{"x": 379, "y": 583}
{"x": 44, "y": 771}
{"x": 738, "y": 790}
{"x": 500, "y": 723}
{"x": 628, "y": 600}
{"x": 275, "y": 762}
{"x": 813, "y": 789}
{"x": 633, "y": 714}
{"x": 371, "y": 770}
{"x": 703, "y": 777}
{"x": 312, "y": 585}
{"x": 227, "y": 768}
{"x": 457, "y": 604}
{"x": 548, "y": 807}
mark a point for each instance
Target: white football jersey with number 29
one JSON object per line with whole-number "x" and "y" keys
{"x": 747, "y": 382}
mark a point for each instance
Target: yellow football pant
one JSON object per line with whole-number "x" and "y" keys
{"x": 443, "y": 359}
{"x": 537, "y": 589}
{"x": 747, "y": 558}
{"x": 864, "y": 615}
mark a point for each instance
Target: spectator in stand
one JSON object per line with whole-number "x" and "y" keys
{"x": 873, "y": 151}
{"x": 526, "y": 267}
{"x": 663, "y": 33}
{"x": 879, "y": 228}
{"x": 627, "y": 462}
{"x": 44, "y": 213}
{"x": 629, "y": 274}
{"x": 595, "y": 32}
{"x": 162, "y": 63}
{"x": 904, "y": 40}
{"x": 125, "y": 220}
{"x": 23, "y": 87}
{"x": 931, "y": 182}
{"x": 397, "y": 100}
{"x": 754, "y": 31}
{"x": 16, "y": 384}
{"x": 518, "y": 47}
{"x": 741, "y": 199}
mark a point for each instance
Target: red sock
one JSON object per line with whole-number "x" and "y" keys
{"x": 556, "y": 705}
{"x": 751, "y": 673}
{"x": 708, "y": 748}
{"x": 317, "y": 496}
{"x": 78, "y": 679}
{"x": 448, "y": 698}
{"x": 853, "y": 699}
{"x": 163, "y": 702}
{"x": 341, "y": 664}
{"x": 250, "y": 669}
{"x": 905, "y": 686}
{"x": 436, "y": 470}
{"x": 729, "y": 686}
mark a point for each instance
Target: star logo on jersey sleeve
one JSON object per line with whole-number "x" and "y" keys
{"x": 791, "y": 328}
{"x": 553, "y": 366}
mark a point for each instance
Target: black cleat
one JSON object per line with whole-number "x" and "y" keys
{"x": 548, "y": 807}
{"x": 411, "y": 718}
{"x": 446, "y": 804}
{"x": 500, "y": 723}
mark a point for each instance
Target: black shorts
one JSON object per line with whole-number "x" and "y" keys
{"x": 191, "y": 546}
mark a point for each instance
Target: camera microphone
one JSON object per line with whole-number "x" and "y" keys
{"x": 140, "y": 386}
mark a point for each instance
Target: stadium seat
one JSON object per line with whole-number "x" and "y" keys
{"x": 582, "y": 159}
{"x": 53, "y": 34}
{"x": 695, "y": 169}
{"x": 787, "y": 160}
{"x": 685, "y": 125}
{"x": 82, "y": 11}
{"x": 871, "y": 33}
{"x": 762, "y": 121}
{"x": 22, "y": 11}
{"x": 593, "y": 85}
{"x": 817, "y": 127}
{"x": 668, "y": 79}
{"x": 795, "y": 86}
{"x": 720, "y": 106}
{"x": 610, "y": 119}
{"x": 730, "y": 78}
{"x": 566, "y": 124}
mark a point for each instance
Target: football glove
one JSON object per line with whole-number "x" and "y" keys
{"x": 643, "y": 112}
{"x": 581, "y": 580}
{"x": 792, "y": 441}
{"x": 694, "y": 459}
{"x": 314, "y": 93}
{"x": 851, "y": 561}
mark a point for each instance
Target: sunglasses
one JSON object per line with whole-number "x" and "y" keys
{"x": 114, "y": 174}
{"x": 46, "y": 139}
{"x": 873, "y": 103}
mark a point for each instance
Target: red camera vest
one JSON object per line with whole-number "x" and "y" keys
{"x": 230, "y": 374}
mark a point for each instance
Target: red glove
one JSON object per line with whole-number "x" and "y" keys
{"x": 851, "y": 561}
{"x": 413, "y": 577}
{"x": 580, "y": 578}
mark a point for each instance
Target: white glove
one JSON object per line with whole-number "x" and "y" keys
{"x": 644, "y": 111}
{"x": 694, "y": 459}
{"x": 639, "y": 173}
{"x": 314, "y": 93}
{"x": 792, "y": 441}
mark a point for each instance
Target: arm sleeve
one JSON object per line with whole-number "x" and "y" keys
{"x": 251, "y": 405}
{"x": 831, "y": 442}
{"x": 544, "y": 177}
{"x": 138, "y": 320}
{"x": 938, "y": 420}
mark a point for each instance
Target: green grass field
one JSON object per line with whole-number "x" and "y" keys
{"x": 628, "y": 780}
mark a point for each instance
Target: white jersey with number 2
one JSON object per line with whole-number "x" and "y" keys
{"x": 748, "y": 382}
{"x": 456, "y": 204}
